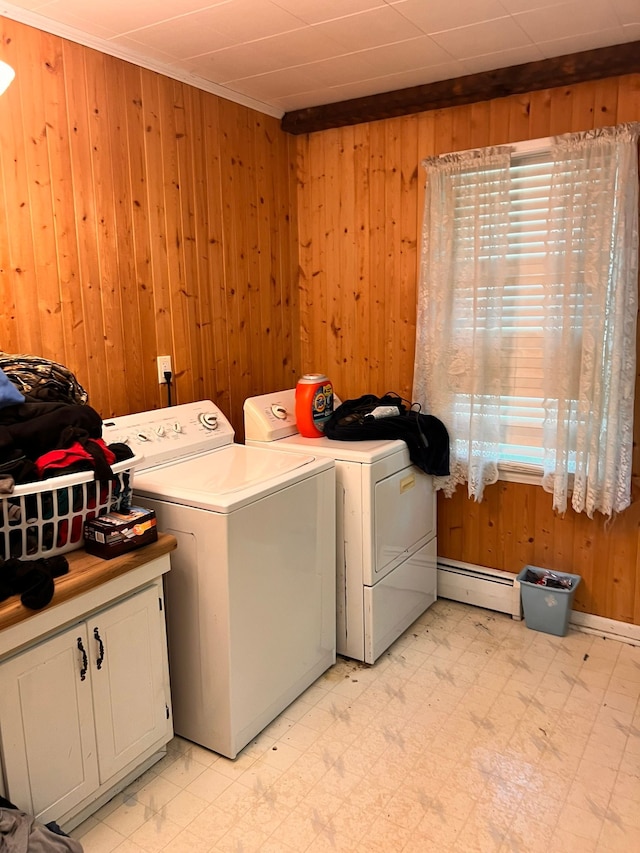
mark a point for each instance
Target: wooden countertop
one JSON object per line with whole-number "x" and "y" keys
{"x": 85, "y": 573}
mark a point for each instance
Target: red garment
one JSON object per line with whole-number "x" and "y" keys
{"x": 75, "y": 457}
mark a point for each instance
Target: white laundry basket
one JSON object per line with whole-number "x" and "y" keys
{"x": 46, "y": 518}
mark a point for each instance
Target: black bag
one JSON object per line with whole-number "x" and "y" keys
{"x": 425, "y": 435}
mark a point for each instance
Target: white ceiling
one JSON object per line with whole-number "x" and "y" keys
{"x": 283, "y": 55}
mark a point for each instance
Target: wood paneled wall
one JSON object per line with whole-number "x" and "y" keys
{"x": 360, "y": 196}
{"x": 141, "y": 217}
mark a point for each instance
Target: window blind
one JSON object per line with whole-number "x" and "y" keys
{"x": 521, "y": 360}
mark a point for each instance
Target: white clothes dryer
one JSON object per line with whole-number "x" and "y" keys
{"x": 386, "y": 547}
{"x": 251, "y": 591}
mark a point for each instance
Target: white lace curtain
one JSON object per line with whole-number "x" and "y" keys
{"x": 589, "y": 326}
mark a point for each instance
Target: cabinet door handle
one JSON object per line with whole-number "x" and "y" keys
{"x": 100, "y": 657}
{"x": 83, "y": 671}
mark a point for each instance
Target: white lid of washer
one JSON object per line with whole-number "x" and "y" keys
{"x": 228, "y": 478}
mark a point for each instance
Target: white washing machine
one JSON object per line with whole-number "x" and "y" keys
{"x": 251, "y": 591}
{"x": 385, "y": 527}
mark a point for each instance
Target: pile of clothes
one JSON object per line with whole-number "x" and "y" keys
{"x": 21, "y": 833}
{"x": 47, "y": 429}
{"x": 390, "y": 417}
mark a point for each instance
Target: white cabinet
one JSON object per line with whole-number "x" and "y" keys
{"x": 46, "y": 722}
{"x": 129, "y": 679}
{"x": 83, "y": 708}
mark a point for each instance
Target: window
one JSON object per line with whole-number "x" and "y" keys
{"x": 521, "y": 365}
{"x": 526, "y": 314}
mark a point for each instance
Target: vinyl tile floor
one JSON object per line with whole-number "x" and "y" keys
{"x": 471, "y": 733}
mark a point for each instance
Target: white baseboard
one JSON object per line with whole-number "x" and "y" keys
{"x": 625, "y": 632}
{"x": 480, "y": 586}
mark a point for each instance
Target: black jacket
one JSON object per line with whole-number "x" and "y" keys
{"x": 425, "y": 436}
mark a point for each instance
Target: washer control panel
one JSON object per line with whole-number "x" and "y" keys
{"x": 166, "y": 435}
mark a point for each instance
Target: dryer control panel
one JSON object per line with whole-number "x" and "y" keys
{"x": 165, "y": 435}
{"x": 272, "y": 416}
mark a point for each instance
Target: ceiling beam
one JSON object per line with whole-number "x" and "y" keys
{"x": 532, "y": 76}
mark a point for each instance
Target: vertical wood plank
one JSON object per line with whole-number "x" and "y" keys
{"x": 140, "y": 300}
{"x": 159, "y": 287}
{"x": 527, "y": 530}
{"x": 269, "y": 281}
{"x": 377, "y": 258}
{"x": 473, "y": 515}
{"x": 605, "y": 102}
{"x": 450, "y": 525}
{"x": 231, "y": 293}
{"x": 540, "y": 114}
{"x": 499, "y": 115}
{"x": 461, "y": 130}
{"x": 597, "y": 584}
{"x": 520, "y": 118}
{"x": 359, "y": 354}
{"x": 583, "y": 563}
{"x": 38, "y": 58}
{"x": 306, "y": 236}
{"x": 185, "y": 287}
{"x": 8, "y": 327}
{"x": 76, "y": 60}
{"x": 390, "y": 377}
{"x": 628, "y": 99}
{"x": 561, "y": 111}
{"x": 222, "y": 327}
{"x": 200, "y": 250}
{"x": 327, "y": 288}
{"x": 106, "y": 232}
{"x": 132, "y": 396}
{"x": 256, "y": 320}
{"x": 19, "y": 249}
{"x": 582, "y": 107}
{"x": 409, "y": 227}
{"x": 316, "y": 352}
{"x": 489, "y": 532}
{"x": 621, "y": 588}
{"x": 510, "y": 558}
{"x": 543, "y": 530}
{"x": 480, "y": 124}
{"x": 343, "y": 317}
{"x": 287, "y": 224}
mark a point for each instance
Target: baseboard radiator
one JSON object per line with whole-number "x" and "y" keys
{"x": 480, "y": 586}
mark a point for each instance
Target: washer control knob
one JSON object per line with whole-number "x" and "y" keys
{"x": 160, "y": 430}
{"x": 142, "y": 436}
{"x": 279, "y": 411}
{"x": 177, "y": 427}
{"x": 208, "y": 420}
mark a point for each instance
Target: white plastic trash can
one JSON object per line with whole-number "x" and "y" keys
{"x": 545, "y": 607}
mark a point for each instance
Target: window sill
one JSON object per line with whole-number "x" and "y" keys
{"x": 511, "y": 472}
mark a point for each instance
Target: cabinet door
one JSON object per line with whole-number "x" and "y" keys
{"x": 130, "y": 679}
{"x": 46, "y": 726}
